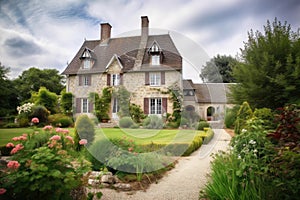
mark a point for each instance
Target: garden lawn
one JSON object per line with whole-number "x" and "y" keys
{"x": 140, "y": 136}
{"x": 7, "y": 134}
{"x": 147, "y": 136}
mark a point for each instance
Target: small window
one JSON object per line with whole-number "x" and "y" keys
{"x": 155, "y": 59}
{"x": 115, "y": 108}
{"x": 86, "y": 80}
{"x": 155, "y": 79}
{"x": 155, "y": 106}
{"x": 115, "y": 79}
{"x": 86, "y": 64}
{"x": 84, "y": 105}
{"x": 188, "y": 92}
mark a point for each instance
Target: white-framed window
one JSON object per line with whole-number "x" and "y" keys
{"x": 155, "y": 78}
{"x": 155, "y": 106}
{"x": 155, "y": 59}
{"x": 115, "y": 79}
{"x": 86, "y": 64}
{"x": 115, "y": 108}
{"x": 84, "y": 105}
{"x": 86, "y": 80}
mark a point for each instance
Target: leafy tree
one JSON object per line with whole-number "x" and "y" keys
{"x": 269, "y": 71}
{"x": 66, "y": 102}
{"x": 32, "y": 79}
{"x": 8, "y": 94}
{"x": 46, "y": 98}
{"x": 219, "y": 69}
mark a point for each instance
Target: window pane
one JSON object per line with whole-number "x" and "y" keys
{"x": 158, "y": 106}
{"x": 115, "y": 79}
{"x": 86, "y": 80}
{"x": 84, "y": 105}
{"x": 86, "y": 64}
{"x": 155, "y": 79}
{"x": 115, "y": 105}
{"x": 155, "y": 60}
{"x": 155, "y": 106}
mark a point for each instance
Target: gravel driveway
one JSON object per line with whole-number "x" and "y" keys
{"x": 182, "y": 182}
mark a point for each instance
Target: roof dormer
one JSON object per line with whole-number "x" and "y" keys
{"x": 154, "y": 48}
{"x": 87, "y": 58}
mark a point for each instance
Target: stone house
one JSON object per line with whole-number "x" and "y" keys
{"x": 146, "y": 65}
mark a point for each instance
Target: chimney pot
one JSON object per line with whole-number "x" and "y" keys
{"x": 105, "y": 31}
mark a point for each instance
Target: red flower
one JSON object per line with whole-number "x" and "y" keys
{"x": 10, "y": 145}
{"x": 2, "y": 191}
{"x": 35, "y": 120}
{"x": 13, "y": 164}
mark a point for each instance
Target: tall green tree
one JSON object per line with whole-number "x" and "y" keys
{"x": 219, "y": 69}
{"x": 269, "y": 71}
{"x": 46, "y": 98}
{"x": 8, "y": 93}
{"x": 32, "y": 79}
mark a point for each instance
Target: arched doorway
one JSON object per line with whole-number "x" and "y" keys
{"x": 210, "y": 113}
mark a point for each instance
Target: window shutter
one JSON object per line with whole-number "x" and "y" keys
{"x": 80, "y": 80}
{"x": 162, "y": 78}
{"x": 108, "y": 79}
{"x": 146, "y": 106}
{"x": 121, "y": 79}
{"x": 147, "y": 78}
{"x": 78, "y": 105}
{"x": 89, "y": 79}
{"x": 164, "y": 105}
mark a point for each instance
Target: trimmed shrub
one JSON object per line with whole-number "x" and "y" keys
{"x": 153, "y": 122}
{"x": 184, "y": 122}
{"x": 245, "y": 113}
{"x": 85, "y": 128}
{"x": 134, "y": 126}
{"x": 173, "y": 125}
{"x": 126, "y": 122}
{"x": 23, "y": 121}
{"x": 11, "y": 125}
{"x": 60, "y": 120}
{"x": 41, "y": 113}
{"x": 209, "y": 136}
{"x": 267, "y": 116}
{"x": 202, "y": 125}
{"x": 230, "y": 118}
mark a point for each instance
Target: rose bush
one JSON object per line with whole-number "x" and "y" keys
{"x": 43, "y": 165}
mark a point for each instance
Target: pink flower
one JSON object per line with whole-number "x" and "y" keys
{"x": 66, "y": 131}
{"x": 15, "y": 138}
{"x": 70, "y": 139}
{"x": 17, "y": 148}
{"x": 59, "y": 130}
{"x": 35, "y": 120}
{"x": 2, "y": 191}
{"x": 13, "y": 164}
{"x": 83, "y": 142}
{"x": 47, "y": 128}
{"x": 10, "y": 145}
{"x": 55, "y": 137}
{"x": 130, "y": 149}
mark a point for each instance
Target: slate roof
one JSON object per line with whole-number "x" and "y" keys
{"x": 211, "y": 92}
{"x": 126, "y": 48}
{"x": 208, "y": 92}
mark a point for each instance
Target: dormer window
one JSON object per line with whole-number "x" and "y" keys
{"x": 87, "y": 59}
{"x": 188, "y": 92}
{"x": 155, "y": 53}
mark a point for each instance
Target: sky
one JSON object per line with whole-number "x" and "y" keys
{"x": 48, "y": 33}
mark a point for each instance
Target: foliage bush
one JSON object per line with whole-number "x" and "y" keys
{"x": 66, "y": 102}
{"x": 153, "y": 122}
{"x": 23, "y": 121}
{"x": 209, "y": 134}
{"x": 267, "y": 115}
{"x": 85, "y": 128}
{"x": 43, "y": 166}
{"x": 11, "y": 125}
{"x": 60, "y": 120}
{"x": 202, "y": 125}
{"x": 46, "y": 98}
{"x": 136, "y": 113}
{"x": 245, "y": 113}
{"x": 184, "y": 122}
{"x": 126, "y": 122}
{"x": 173, "y": 124}
{"x": 230, "y": 116}
{"x": 41, "y": 113}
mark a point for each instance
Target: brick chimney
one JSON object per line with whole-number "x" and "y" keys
{"x": 145, "y": 26}
{"x": 105, "y": 31}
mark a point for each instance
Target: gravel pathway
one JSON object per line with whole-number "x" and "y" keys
{"x": 185, "y": 180}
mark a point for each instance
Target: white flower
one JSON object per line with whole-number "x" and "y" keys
{"x": 239, "y": 157}
{"x": 244, "y": 130}
{"x": 252, "y": 142}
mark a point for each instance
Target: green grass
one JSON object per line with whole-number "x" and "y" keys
{"x": 140, "y": 136}
{"x": 7, "y": 134}
{"x": 146, "y": 136}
